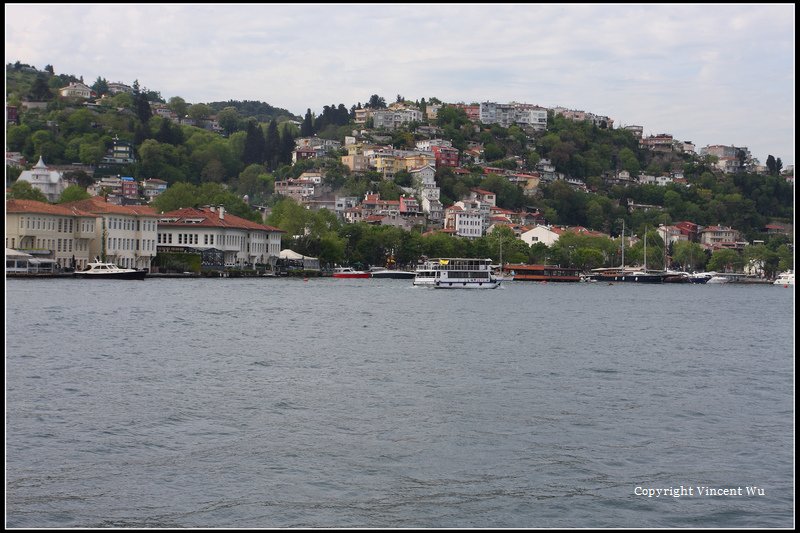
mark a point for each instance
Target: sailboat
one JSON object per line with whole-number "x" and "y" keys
{"x": 627, "y": 275}
{"x": 497, "y": 270}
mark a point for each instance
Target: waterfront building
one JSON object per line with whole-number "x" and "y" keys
{"x": 54, "y": 232}
{"x": 122, "y": 234}
{"x": 240, "y": 242}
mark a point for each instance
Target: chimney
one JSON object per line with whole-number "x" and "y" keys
{"x": 221, "y": 213}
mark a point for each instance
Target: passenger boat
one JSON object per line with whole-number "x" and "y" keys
{"x": 542, "y": 273}
{"x": 456, "y": 273}
{"x": 785, "y": 278}
{"x": 104, "y": 270}
{"x": 347, "y": 272}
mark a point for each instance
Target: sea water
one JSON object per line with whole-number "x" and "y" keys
{"x": 371, "y": 403}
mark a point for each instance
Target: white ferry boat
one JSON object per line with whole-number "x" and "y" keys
{"x": 456, "y": 273}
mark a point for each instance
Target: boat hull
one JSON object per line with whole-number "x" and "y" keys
{"x": 443, "y": 284}
{"x": 394, "y": 274}
{"x": 136, "y": 274}
{"x": 352, "y": 276}
{"x": 628, "y": 278}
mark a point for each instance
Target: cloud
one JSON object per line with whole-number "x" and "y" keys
{"x": 710, "y": 73}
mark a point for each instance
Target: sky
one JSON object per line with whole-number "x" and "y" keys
{"x": 705, "y": 73}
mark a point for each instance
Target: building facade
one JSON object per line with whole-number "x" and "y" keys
{"x": 123, "y": 234}
{"x": 241, "y": 242}
{"x": 56, "y": 232}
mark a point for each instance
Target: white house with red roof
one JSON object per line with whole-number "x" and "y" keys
{"x": 466, "y": 219}
{"x": 544, "y": 234}
{"x": 60, "y": 232}
{"x": 76, "y": 90}
{"x": 483, "y": 196}
{"x": 716, "y": 237}
{"x": 243, "y": 243}
{"x": 123, "y": 234}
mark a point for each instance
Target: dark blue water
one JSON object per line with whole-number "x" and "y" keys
{"x": 370, "y": 403}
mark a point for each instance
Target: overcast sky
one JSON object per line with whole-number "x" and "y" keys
{"x": 710, "y": 74}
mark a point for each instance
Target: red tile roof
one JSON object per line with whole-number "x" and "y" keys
{"x": 99, "y": 206}
{"x": 211, "y": 219}
{"x": 32, "y": 206}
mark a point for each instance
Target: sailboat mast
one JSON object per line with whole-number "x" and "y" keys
{"x": 623, "y": 245}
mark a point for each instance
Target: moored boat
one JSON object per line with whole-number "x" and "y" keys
{"x": 347, "y": 272}
{"x": 546, "y": 273}
{"x": 105, "y": 270}
{"x": 456, "y": 273}
{"x": 701, "y": 277}
{"x": 389, "y": 273}
{"x": 718, "y": 278}
{"x": 627, "y": 275}
{"x": 785, "y": 278}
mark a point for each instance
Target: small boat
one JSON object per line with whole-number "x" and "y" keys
{"x": 456, "y": 273}
{"x": 103, "y": 270}
{"x": 701, "y": 277}
{"x": 389, "y": 273}
{"x": 785, "y": 278}
{"x": 347, "y": 272}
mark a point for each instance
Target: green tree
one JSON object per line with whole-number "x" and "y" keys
{"x": 628, "y": 161}
{"x": 689, "y": 255}
{"x": 73, "y": 193}
{"x": 287, "y": 145}
{"x": 376, "y": 102}
{"x": 18, "y": 138}
{"x": 40, "y": 90}
{"x": 289, "y": 216}
{"x": 140, "y": 104}
{"x": 214, "y": 171}
{"x": 307, "y": 128}
{"x": 272, "y": 145}
{"x": 177, "y": 196}
{"x": 199, "y": 112}
{"x": 178, "y": 106}
{"x": 771, "y": 164}
{"x": 761, "y": 255}
{"x": 91, "y": 153}
{"x": 725, "y": 261}
{"x": 22, "y": 190}
{"x": 229, "y": 120}
{"x": 100, "y": 86}
{"x": 256, "y": 183}
{"x": 254, "y": 145}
